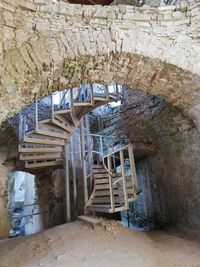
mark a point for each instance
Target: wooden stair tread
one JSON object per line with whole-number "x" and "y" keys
{"x": 37, "y": 157}
{"x": 43, "y": 141}
{"x": 115, "y": 192}
{"x": 105, "y": 175}
{"x": 51, "y": 134}
{"x": 44, "y": 164}
{"x": 39, "y": 149}
{"x": 82, "y": 103}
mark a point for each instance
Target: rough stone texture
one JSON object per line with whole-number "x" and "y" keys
{"x": 49, "y": 45}
{"x": 171, "y": 147}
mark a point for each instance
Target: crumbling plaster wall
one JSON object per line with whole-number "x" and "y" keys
{"x": 49, "y": 45}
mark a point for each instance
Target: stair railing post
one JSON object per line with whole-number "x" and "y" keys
{"x": 112, "y": 202}
{"x": 36, "y": 115}
{"x": 52, "y": 108}
{"x": 107, "y": 92}
{"x": 20, "y": 127}
{"x": 67, "y": 183}
{"x": 117, "y": 92}
{"x": 25, "y": 126}
{"x": 83, "y": 156}
{"x": 91, "y": 94}
{"x": 121, "y": 152}
{"x": 101, "y": 146}
{"x": 133, "y": 169}
{"x": 71, "y": 101}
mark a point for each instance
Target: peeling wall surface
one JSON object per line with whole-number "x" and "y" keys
{"x": 47, "y": 45}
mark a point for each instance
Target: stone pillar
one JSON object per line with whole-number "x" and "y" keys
{"x": 4, "y": 222}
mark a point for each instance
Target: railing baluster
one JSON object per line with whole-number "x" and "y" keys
{"x": 20, "y": 127}
{"x": 71, "y": 101}
{"x": 107, "y": 92}
{"x": 36, "y": 115}
{"x": 52, "y": 108}
{"x": 24, "y": 125}
{"x": 123, "y": 178}
{"x": 91, "y": 94}
{"x": 117, "y": 92}
{"x": 133, "y": 169}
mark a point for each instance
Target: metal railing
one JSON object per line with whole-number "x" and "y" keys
{"x": 120, "y": 170}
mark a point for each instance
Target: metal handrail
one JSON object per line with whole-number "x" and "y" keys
{"x": 111, "y": 154}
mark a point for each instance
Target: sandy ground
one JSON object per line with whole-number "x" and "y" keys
{"x": 76, "y": 244}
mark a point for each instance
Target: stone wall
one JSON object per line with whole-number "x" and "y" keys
{"x": 4, "y": 222}
{"x": 170, "y": 143}
{"x": 48, "y": 45}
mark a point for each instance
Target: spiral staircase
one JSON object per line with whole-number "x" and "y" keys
{"x": 45, "y": 146}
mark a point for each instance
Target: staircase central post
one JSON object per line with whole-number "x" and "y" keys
{"x": 67, "y": 184}
{"x": 73, "y": 162}
{"x": 83, "y": 157}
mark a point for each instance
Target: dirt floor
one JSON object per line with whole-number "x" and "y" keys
{"x": 76, "y": 244}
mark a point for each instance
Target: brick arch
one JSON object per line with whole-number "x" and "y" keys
{"x": 51, "y": 46}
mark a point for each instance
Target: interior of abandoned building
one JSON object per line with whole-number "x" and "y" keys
{"x": 99, "y": 126}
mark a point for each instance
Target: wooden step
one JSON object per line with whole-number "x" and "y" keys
{"x": 43, "y": 141}
{"x": 52, "y": 134}
{"x": 107, "y": 200}
{"x": 63, "y": 120}
{"x": 43, "y": 164}
{"x": 115, "y": 192}
{"x": 100, "y": 98}
{"x": 82, "y": 104}
{"x": 106, "y": 175}
{"x": 51, "y": 126}
{"x": 39, "y": 149}
{"x": 62, "y": 111}
{"x": 97, "y": 166}
{"x": 107, "y": 186}
{"x": 99, "y": 171}
{"x": 62, "y": 125}
{"x": 39, "y": 157}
